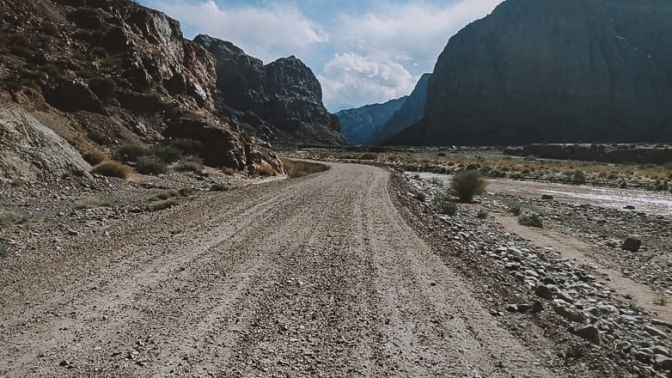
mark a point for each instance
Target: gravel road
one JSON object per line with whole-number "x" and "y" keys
{"x": 319, "y": 276}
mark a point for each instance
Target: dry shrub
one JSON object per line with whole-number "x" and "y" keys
{"x": 162, "y": 205}
{"x": 297, "y": 169}
{"x": 167, "y": 194}
{"x": 466, "y": 184}
{"x": 9, "y": 218}
{"x": 93, "y": 157}
{"x": 112, "y": 169}
{"x": 92, "y": 202}
{"x": 220, "y": 187}
{"x": 131, "y": 152}
{"x": 266, "y": 171}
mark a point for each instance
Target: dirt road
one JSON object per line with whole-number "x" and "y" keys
{"x": 319, "y": 276}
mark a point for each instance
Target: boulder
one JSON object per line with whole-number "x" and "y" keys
{"x": 632, "y": 243}
{"x": 589, "y": 333}
{"x": 544, "y": 292}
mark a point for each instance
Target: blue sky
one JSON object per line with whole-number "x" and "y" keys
{"x": 362, "y": 51}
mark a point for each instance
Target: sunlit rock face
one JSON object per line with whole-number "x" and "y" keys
{"x": 280, "y": 101}
{"x": 553, "y": 71}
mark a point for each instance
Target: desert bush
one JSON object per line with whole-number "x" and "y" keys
{"x": 218, "y": 187}
{"x": 5, "y": 251}
{"x": 9, "y": 218}
{"x": 99, "y": 52}
{"x": 579, "y": 177}
{"x": 112, "y": 169}
{"x": 368, "y": 156}
{"x": 166, "y": 154}
{"x": 296, "y": 169}
{"x": 265, "y": 171}
{"x": 162, "y": 205}
{"x": 103, "y": 87}
{"x": 92, "y": 202}
{"x": 420, "y": 196}
{"x": 186, "y": 192}
{"x": 49, "y": 29}
{"x": 166, "y": 194}
{"x": 531, "y": 220}
{"x": 93, "y": 157}
{"x": 515, "y": 210}
{"x": 18, "y": 183}
{"x": 190, "y": 163}
{"x": 481, "y": 214}
{"x": 188, "y": 146}
{"x": 131, "y": 152}
{"x": 151, "y": 165}
{"x": 446, "y": 206}
{"x": 100, "y": 138}
{"x": 466, "y": 184}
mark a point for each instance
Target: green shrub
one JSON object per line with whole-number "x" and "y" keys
{"x": 5, "y": 251}
{"x": 446, "y": 206}
{"x": 466, "y": 184}
{"x": 190, "y": 163}
{"x": 579, "y": 177}
{"x": 93, "y": 157}
{"x": 112, "y": 169}
{"x": 515, "y": 210}
{"x": 9, "y": 218}
{"x": 532, "y": 220}
{"x": 482, "y": 214}
{"x": 186, "y": 192}
{"x": 131, "y": 152}
{"x": 220, "y": 187}
{"x": 150, "y": 165}
{"x": 100, "y": 138}
{"x": 162, "y": 205}
{"x": 103, "y": 87}
{"x": 188, "y": 146}
{"x": 18, "y": 183}
{"x": 420, "y": 196}
{"x": 166, "y": 154}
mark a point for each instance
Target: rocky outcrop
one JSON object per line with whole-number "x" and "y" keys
{"x": 222, "y": 146}
{"x": 280, "y": 101}
{"x": 107, "y": 68}
{"x": 29, "y": 150}
{"x": 553, "y": 71}
{"x": 410, "y": 113}
{"x": 359, "y": 124}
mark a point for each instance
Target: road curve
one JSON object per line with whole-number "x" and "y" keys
{"x": 319, "y": 276}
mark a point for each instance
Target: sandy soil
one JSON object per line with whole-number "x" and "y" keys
{"x": 313, "y": 277}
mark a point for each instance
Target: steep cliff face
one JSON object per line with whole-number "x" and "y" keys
{"x": 553, "y": 71}
{"x": 406, "y": 116}
{"x": 109, "y": 68}
{"x": 359, "y": 124}
{"x": 280, "y": 101}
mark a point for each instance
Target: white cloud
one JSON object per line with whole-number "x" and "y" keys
{"x": 267, "y": 32}
{"x": 351, "y": 80}
{"x": 414, "y": 31}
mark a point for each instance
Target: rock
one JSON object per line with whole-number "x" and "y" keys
{"x": 72, "y": 95}
{"x": 512, "y": 308}
{"x": 632, "y": 243}
{"x": 655, "y": 331}
{"x": 663, "y": 362}
{"x": 482, "y": 92}
{"x": 660, "y": 350}
{"x": 643, "y": 356}
{"x": 589, "y": 333}
{"x": 546, "y": 197}
{"x": 544, "y": 292}
{"x": 661, "y": 323}
{"x": 285, "y": 94}
{"x": 565, "y": 297}
{"x": 629, "y": 207}
{"x": 523, "y": 308}
{"x": 625, "y": 346}
{"x": 537, "y": 306}
{"x": 570, "y": 314}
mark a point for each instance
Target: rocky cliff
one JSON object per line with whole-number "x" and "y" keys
{"x": 100, "y": 72}
{"x": 553, "y": 71}
{"x": 359, "y": 124}
{"x": 410, "y": 113}
{"x": 280, "y": 101}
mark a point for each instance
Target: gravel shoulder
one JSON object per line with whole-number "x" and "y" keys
{"x": 336, "y": 274}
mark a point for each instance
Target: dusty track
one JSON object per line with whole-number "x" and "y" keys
{"x": 313, "y": 277}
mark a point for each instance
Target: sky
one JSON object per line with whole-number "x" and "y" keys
{"x": 362, "y": 51}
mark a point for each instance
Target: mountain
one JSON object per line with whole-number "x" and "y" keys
{"x": 280, "y": 101}
{"x": 359, "y": 124}
{"x": 102, "y": 72}
{"x": 410, "y": 113}
{"x": 553, "y": 71}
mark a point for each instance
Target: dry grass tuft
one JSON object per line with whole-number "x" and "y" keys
{"x": 92, "y": 202}
{"x": 162, "y": 205}
{"x": 93, "y": 157}
{"x": 296, "y": 169}
{"x": 112, "y": 169}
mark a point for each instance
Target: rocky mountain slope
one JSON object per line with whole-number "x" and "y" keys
{"x": 553, "y": 71}
{"x": 102, "y": 72}
{"x": 410, "y": 113}
{"x": 280, "y": 101}
{"x": 359, "y": 124}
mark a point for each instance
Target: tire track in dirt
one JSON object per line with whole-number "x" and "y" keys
{"x": 313, "y": 277}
